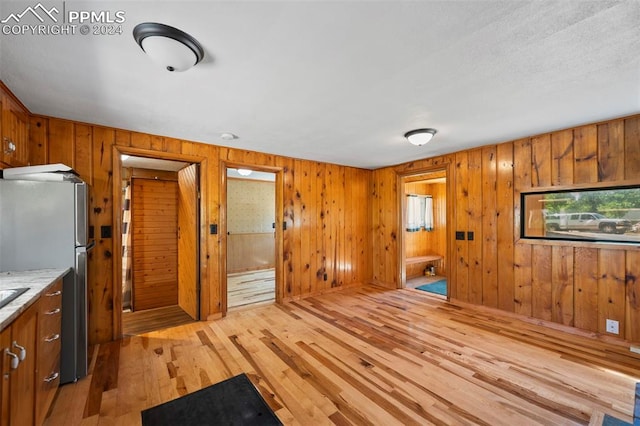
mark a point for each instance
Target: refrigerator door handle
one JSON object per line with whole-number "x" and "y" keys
{"x": 81, "y": 312}
{"x": 82, "y": 222}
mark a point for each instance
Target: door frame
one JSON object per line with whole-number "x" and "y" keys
{"x": 203, "y": 285}
{"x": 401, "y": 178}
{"x": 279, "y": 220}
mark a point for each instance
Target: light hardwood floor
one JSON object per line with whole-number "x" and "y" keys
{"x": 245, "y": 289}
{"x": 249, "y": 288}
{"x": 365, "y": 356}
{"x": 139, "y": 322}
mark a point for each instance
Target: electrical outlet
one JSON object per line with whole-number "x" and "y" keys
{"x": 612, "y": 326}
{"x": 635, "y": 349}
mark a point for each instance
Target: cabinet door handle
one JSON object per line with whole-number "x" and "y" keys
{"x": 14, "y": 358}
{"x": 51, "y": 378}
{"x": 52, "y": 338}
{"x": 55, "y": 293}
{"x": 23, "y": 351}
{"x": 53, "y": 312}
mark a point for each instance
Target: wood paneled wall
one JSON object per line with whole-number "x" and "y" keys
{"x": 250, "y": 252}
{"x": 154, "y": 248}
{"x": 571, "y": 283}
{"x": 326, "y": 245}
{"x": 384, "y": 205}
{"x": 343, "y": 222}
{"x": 251, "y": 212}
{"x": 325, "y": 210}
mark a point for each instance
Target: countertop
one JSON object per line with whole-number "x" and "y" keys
{"x": 37, "y": 281}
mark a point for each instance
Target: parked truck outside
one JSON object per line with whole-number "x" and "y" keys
{"x": 587, "y": 222}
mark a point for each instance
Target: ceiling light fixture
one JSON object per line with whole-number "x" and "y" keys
{"x": 172, "y": 48}
{"x": 420, "y": 136}
{"x": 244, "y": 172}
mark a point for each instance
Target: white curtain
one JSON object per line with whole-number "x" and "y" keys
{"x": 428, "y": 213}
{"x": 414, "y": 213}
{"x": 419, "y": 212}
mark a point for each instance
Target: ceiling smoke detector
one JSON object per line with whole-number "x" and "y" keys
{"x": 228, "y": 136}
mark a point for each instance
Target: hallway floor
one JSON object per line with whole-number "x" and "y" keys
{"x": 249, "y": 288}
{"x": 134, "y": 323}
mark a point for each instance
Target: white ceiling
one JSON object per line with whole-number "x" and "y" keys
{"x": 152, "y": 163}
{"x": 255, "y": 175}
{"x": 342, "y": 81}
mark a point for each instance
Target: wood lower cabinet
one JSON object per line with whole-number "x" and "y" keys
{"x": 5, "y": 368}
{"x": 48, "y": 347}
{"x": 20, "y": 381}
{"x": 27, "y": 391}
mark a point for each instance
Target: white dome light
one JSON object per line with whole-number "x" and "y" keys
{"x": 420, "y": 136}
{"x": 170, "y": 47}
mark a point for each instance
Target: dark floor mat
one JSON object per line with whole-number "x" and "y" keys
{"x": 234, "y": 401}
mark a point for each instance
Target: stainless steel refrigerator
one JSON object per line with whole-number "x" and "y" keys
{"x": 45, "y": 225}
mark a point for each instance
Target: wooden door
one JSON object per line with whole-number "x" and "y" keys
{"x": 154, "y": 244}
{"x": 188, "y": 277}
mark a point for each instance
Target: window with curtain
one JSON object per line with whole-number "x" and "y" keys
{"x": 419, "y": 212}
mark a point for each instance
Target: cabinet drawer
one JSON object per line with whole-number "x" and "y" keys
{"x": 51, "y": 299}
{"x": 49, "y": 374}
{"x": 49, "y": 347}
{"x": 49, "y": 343}
{"x": 50, "y": 322}
{"x": 47, "y": 382}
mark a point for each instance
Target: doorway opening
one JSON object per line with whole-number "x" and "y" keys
{"x": 251, "y": 237}
{"x": 424, "y": 233}
{"x": 160, "y": 243}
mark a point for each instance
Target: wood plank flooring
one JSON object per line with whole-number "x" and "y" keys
{"x": 365, "y": 356}
{"x": 139, "y": 322}
{"x": 249, "y": 288}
